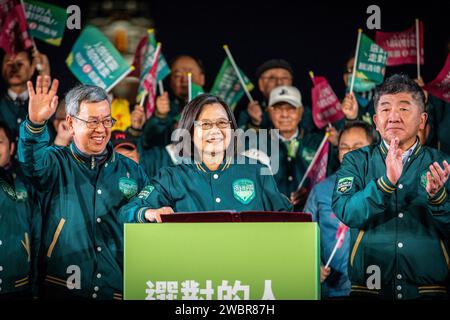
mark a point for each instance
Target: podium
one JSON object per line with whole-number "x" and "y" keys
{"x": 207, "y": 260}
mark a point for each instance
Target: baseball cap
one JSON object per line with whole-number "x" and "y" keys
{"x": 287, "y": 94}
{"x": 272, "y": 64}
{"x": 120, "y": 139}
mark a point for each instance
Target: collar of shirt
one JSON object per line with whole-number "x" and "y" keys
{"x": 407, "y": 153}
{"x": 294, "y": 136}
{"x": 14, "y": 96}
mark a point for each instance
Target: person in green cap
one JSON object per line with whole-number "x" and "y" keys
{"x": 212, "y": 176}
{"x": 82, "y": 187}
{"x": 394, "y": 197}
{"x": 20, "y": 226}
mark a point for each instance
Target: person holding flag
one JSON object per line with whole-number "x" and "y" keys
{"x": 82, "y": 187}
{"x": 334, "y": 279}
{"x": 394, "y": 198}
{"x": 158, "y": 129}
{"x": 296, "y": 151}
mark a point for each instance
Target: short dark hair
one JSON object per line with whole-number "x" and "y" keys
{"x": 398, "y": 83}
{"x": 197, "y": 60}
{"x": 8, "y": 132}
{"x": 368, "y": 129}
{"x": 192, "y": 111}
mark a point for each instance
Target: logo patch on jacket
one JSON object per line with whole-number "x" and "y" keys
{"x": 128, "y": 187}
{"x": 21, "y": 194}
{"x": 423, "y": 179}
{"x": 345, "y": 184}
{"x": 308, "y": 154}
{"x": 244, "y": 190}
{"x": 146, "y": 192}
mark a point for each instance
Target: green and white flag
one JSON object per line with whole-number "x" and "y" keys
{"x": 196, "y": 90}
{"x": 94, "y": 60}
{"x": 371, "y": 64}
{"x": 45, "y": 21}
{"x": 227, "y": 85}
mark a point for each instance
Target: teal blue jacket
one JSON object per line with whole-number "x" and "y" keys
{"x": 191, "y": 187}
{"x": 82, "y": 230}
{"x": 20, "y": 230}
{"x": 397, "y": 228}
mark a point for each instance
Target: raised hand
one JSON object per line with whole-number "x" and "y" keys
{"x": 162, "y": 105}
{"x": 255, "y": 112}
{"x": 437, "y": 177}
{"x": 44, "y": 101}
{"x": 394, "y": 163}
{"x": 350, "y": 106}
{"x": 138, "y": 117}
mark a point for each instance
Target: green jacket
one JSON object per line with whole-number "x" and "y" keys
{"x": 395, "y": 227}
{"x": 81, "y": 197}
{"x": 191, "y": 187}
{"x": 155, "y": 158}
{"x": 20, "y": 229}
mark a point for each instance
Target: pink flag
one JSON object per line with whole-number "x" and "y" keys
{"x": 440, "y": 87}
{"x": 340, "y": 234}
{"x": 318, "y": 170}
{"x": 13, "y": 35}
{"x": 149, "y": 84}
{"x": 401, "y": 46}
{"x": 326, "y": 107}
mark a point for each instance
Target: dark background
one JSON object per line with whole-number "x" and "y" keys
{"x": 312, "y": 35}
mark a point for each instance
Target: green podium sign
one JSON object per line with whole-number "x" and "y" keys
{"x": 222, "y": 261}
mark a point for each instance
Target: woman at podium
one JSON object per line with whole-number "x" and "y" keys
{"x": 212, "y": 176}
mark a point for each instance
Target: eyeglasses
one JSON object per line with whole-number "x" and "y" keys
{"x": 207, "y": 125}
{"x": 277, "y": 79}
{"x": 94, "y": 123}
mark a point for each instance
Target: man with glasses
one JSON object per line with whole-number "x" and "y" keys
{"x": 271, "y": 74}
{"x": 82, "y": 186}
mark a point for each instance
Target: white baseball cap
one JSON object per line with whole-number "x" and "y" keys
{"x": 286, "y": 94}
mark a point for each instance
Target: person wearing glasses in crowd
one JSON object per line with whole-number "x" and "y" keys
{"x": 334, "y": 279}
{"x": 271, "y": 74}
{"x": 212, "y": 176}
{"x": 82, "y": 187}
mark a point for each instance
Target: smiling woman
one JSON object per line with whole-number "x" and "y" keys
{"x": 212, "y": 176}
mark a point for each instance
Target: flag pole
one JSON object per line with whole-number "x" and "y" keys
{"x": 227, "y": 50}
{"x": 161, "y": 87}
{"x": 341, "y": 237}
{"x": 38, "y": 65}
{"x": 189, "y": 86}
{"x": 311, "y": 75}
{"x": 324, "y": 140}
{"x": 355, "y": 62}
{"x": 418, "y": 48}
{"x": 131, "y": 68}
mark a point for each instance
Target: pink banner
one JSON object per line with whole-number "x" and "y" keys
{"x": 13, "y": 35}
{"x": 149, "y": 84}
{"x": 440, "y": 87}
{"x": 401, "y": 46}
{"x": 319, "y": 169}
{"x": 326, "y": 107}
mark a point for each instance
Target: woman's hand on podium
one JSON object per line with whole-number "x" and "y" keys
{"x": 152, "y": 215}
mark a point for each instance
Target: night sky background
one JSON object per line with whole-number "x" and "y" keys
{"x": 311, "y": 35}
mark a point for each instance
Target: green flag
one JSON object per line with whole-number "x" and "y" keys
{"x": 371, "y": 64}
{"x": 95, "y": 61}
{"x": 196, "y": 90}
{"x": 46, "y": 22}
{"x": 227, "y": 85}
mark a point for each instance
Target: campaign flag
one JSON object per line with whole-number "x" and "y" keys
{"x": 340, "y": 234}
{"x": 196, "y": 90}
{"x": 227, "y": 84}
{"x": 46, "y": 22}
{"x": 370, "y": 65}
{"x": 401, "y": 46}
{"x": 14, "y": 36}
{"x": 143, "y": 58}
{"x": 149, "y": 83}
{"x": 440, "y": 87}
{"x": 318, "y": 171}
{"x": 326, "y": 107}
{"x": 95, "y": 61}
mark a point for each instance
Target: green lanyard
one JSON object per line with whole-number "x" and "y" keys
{"x": 292, "y": 147}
